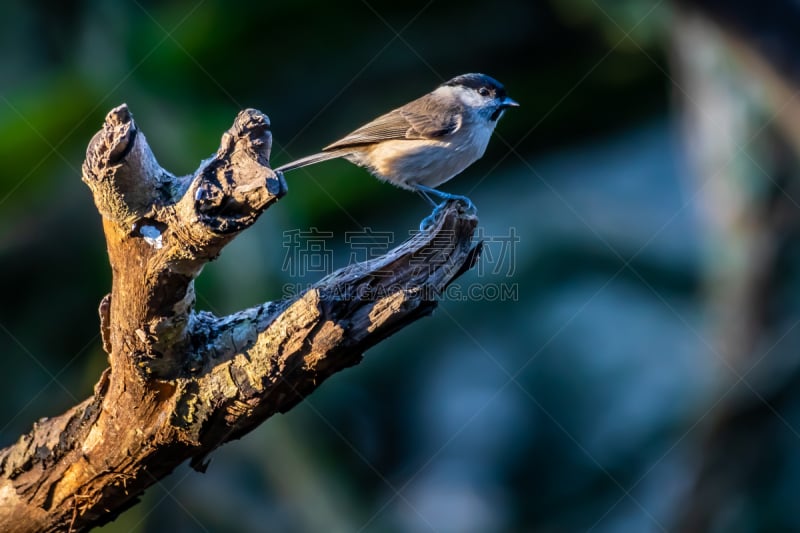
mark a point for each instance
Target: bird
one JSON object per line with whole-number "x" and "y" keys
{"x": 427, "y": 141}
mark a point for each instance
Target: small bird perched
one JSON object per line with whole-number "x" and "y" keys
{"x": 427, "y": 141}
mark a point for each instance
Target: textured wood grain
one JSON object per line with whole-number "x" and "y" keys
{"x": 180, "y": 382}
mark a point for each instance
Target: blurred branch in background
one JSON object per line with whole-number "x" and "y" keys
{"x": 738, "y": 79}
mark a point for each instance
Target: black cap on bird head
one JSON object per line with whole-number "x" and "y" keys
{"x": 477, "y": 81}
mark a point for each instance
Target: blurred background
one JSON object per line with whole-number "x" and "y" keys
{"x": 625, "y": 358}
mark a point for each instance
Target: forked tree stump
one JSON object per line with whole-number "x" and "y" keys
{"x": 182, "y": 382}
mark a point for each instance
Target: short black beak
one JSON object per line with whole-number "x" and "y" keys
{"x": 508, "y": 102}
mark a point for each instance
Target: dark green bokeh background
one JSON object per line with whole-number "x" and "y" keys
{"x": 430, "y": 433}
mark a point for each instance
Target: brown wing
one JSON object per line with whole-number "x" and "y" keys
{"x": 424, "y": 118}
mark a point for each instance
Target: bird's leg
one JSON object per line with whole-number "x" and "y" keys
{"x": 428, "y": 220}
{"x": 428, "y": 198}
{"x": 425, "y": 192}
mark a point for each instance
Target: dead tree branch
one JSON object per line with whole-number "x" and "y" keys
{"x": 183, "y": 382}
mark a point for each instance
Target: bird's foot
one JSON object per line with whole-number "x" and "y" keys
{"x": 469, "y": 207}
{"x": 427, "y": 191}
{"x": 429, "y": 220}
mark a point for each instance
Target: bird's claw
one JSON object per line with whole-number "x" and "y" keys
{"x": 429, "y": 220}
{"x": 469, "y": 207}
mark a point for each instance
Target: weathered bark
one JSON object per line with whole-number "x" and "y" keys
{"x": 183, "y": 382}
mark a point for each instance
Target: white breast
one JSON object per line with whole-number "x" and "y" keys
{"x": 408, "y": 162}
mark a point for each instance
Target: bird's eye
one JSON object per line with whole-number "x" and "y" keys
{"x": 483, "y": 91}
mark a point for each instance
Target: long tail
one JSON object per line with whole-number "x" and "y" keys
{"x": 310, "y": 160}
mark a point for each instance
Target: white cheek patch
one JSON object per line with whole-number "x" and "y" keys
{"x": 472, "y": 98}
{"x": 465, "y": 95}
